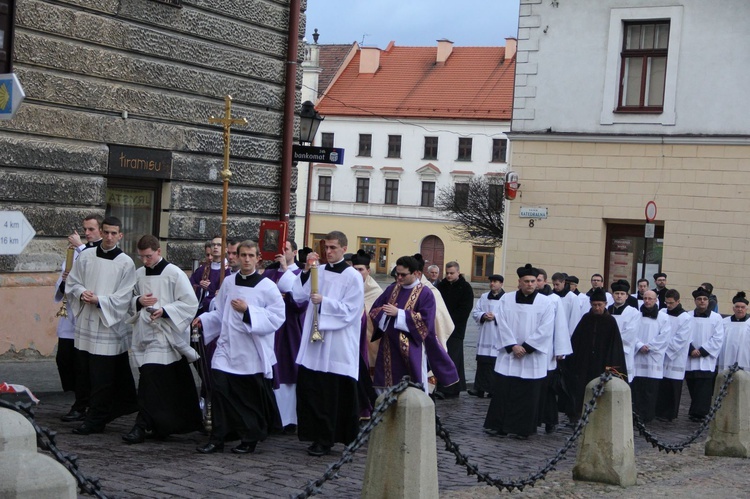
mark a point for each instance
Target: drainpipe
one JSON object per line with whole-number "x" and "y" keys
{"x": 287, "y": 139}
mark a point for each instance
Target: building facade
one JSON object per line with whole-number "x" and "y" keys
{"x": 620, "y": 103}
{"x": 115, "y": 121}
{"x": 412, "y": 121}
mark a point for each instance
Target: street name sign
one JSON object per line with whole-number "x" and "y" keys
{"x": 11, "y": 95}
{"x": 533, "y": 212}
{"x": 311, "y": 154}
{"x": 15, "y": 232}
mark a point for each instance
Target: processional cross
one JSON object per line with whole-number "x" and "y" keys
{"x": 227, "y": 121}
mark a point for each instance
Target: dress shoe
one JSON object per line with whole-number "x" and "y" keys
{"x": 136, "y": 436}
{"x": 318, "y": 450}
{"x": 88, "y": 429}
{"x": 245, "y": 448}
{"x": 550, "y": 428}
{"x": 475, "y": 393}
{"x": 290, "y": 429}
{"x": 210, "y": 448}
{"x": 438, "y": 395}
{"x": 73, "y": 415}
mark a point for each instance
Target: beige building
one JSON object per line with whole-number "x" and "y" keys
{"x": 637, "y": 113}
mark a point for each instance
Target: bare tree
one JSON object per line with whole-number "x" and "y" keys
{"x": 476, "y": 207}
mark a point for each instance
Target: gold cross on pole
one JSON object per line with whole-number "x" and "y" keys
{"x": 227, "y": 121}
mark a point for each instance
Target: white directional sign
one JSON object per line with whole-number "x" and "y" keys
{"x": 11, "y": 95}
{"x": 15, "y": 232}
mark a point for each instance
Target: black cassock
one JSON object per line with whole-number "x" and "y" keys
{"x": 596, "y": 344}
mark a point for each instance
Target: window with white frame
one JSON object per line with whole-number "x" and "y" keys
{"x": 644, "y": 66}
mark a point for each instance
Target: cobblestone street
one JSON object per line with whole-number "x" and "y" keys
{"x": 280, "y": 466}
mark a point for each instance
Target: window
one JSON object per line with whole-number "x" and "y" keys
{"x": 326, "y": 140}
{"x": 394, "y": 146}
{"x": 624, "y": 252}
{"x": 430, "y": 147}
{"x": 365, "y": 144}
{"x": 484, "y": 263}
{"x": 495, "y": 196}
{"x": 324, "y": 188}
{"x": 461, "y": 198}
{"x": 428, "y": 194}
{"x": 499, "y": 150}
{"x": 391, "y": 191}
{"x": 136, "y": 202}
{"x": 464, "y": 149}
{"x": 644, "y": 66}
{"x": 363, "y": 190}
{"x": 6, "y": 34}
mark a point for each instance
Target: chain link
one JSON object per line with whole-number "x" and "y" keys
{"x": 520, "y": 484}
{"x": 390, "y": 397}
{"x": 46, "y": 441}
{"x": 675, "y": 447}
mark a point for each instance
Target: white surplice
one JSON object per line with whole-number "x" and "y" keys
{"x": 676, "y": 355}
{"x": 736, "y": 347}
{"x": 706, "y": 333}
{"x": 656, "y": 334}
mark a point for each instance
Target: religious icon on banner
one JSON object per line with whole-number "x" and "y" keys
{"x": 272, "y": 238}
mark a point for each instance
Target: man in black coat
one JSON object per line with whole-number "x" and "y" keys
{"x": 459, "y": 300}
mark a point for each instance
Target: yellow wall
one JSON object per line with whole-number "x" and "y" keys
{"x": 702, "y": 193}
{"x": 405, "y": 237}
{"x": 27, "y": 317}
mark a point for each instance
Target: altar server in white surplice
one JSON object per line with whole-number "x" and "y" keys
{"x": 327, "y": 403}
{"x": 627, "y": 318}
{"x": 99, "y": 289}
{"x": 706, "y": 340}
{"x": 526, "y": 326}
{"x": 736, "y": 336}
{"x": 164, "y": 304}
{"x": 675, "y": 357}
{"x": 249, "y": 311}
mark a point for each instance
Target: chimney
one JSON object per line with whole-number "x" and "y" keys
{"x": 510, "y": 48}
{"x": 369, "y": 60}
{"x": 444, "y": 49}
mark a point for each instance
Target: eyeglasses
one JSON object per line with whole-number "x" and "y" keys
{"x": 403, "y": 274}
{"x": 146, "y": 257}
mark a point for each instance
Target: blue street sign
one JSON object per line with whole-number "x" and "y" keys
{"x": 312, "y": 154}
{"x": 11, "y": 95}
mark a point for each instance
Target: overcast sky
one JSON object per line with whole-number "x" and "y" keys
{"x": 413, "y": 22}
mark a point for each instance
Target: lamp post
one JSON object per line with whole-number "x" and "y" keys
{"x": 309, "y": 121}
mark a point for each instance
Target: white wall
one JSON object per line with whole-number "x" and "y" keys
{"x": 568, "y": 61}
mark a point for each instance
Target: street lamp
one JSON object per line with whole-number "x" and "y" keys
{"x": 309, "y": 121}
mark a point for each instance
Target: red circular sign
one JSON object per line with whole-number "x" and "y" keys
{"x": 650, "y": 211}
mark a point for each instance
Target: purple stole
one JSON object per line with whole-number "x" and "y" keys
{"x": 287, "y": 339}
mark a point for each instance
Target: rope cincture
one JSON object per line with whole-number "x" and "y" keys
{"x": 679, "y": 447}
{"x": 45, "y": 439}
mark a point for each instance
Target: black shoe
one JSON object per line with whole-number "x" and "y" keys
{"x": 491, "y": 432}
{"x": 475, "y": 393}
{"x": 438, "y": 395}
{"x": 318, "y": 450}
{"x": 245, "y": 448}
{"x": 136, "y": 436}
{"x": 210, "y": 448}
{"x": 290, "y": 429}
{"x": 696, "y": 419}
{"x": 549, "y": 428}
{"x": 73, "y": 415}
{"x": 88, "y": 429}
{"x": 521, "y": 437}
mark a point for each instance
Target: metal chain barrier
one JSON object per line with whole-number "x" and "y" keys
{"x": 472, "y": 469}
{"x": 650, "y": 438}
{"x": 46, "y": 441}
{"x": 390, "y": 397}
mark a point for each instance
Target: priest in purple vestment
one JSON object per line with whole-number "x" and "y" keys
{"x": 403, "y": 317}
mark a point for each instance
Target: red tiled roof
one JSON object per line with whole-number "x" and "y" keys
{"x": 330, "y": 58}
{"x": 473, "y": 83}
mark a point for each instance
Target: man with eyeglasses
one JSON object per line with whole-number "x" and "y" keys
{"x": 99, "y": 289}
{"x": 584, "y": 300}
{"x": 403, "y": 316}
{"x": 164, "y": 304}
{"x": 660, "y": 279}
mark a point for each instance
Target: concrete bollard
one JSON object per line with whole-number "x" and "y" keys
{"x": 23, "y": 471}
{"x": 729, "y": 432}
{"x": 605, "y": 452}
{"x": 402, "y": 453}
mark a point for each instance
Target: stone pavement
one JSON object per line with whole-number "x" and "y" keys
{"x": 280, "y": 465}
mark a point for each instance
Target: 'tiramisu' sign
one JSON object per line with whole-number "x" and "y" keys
{"x": 140, "y": 162}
